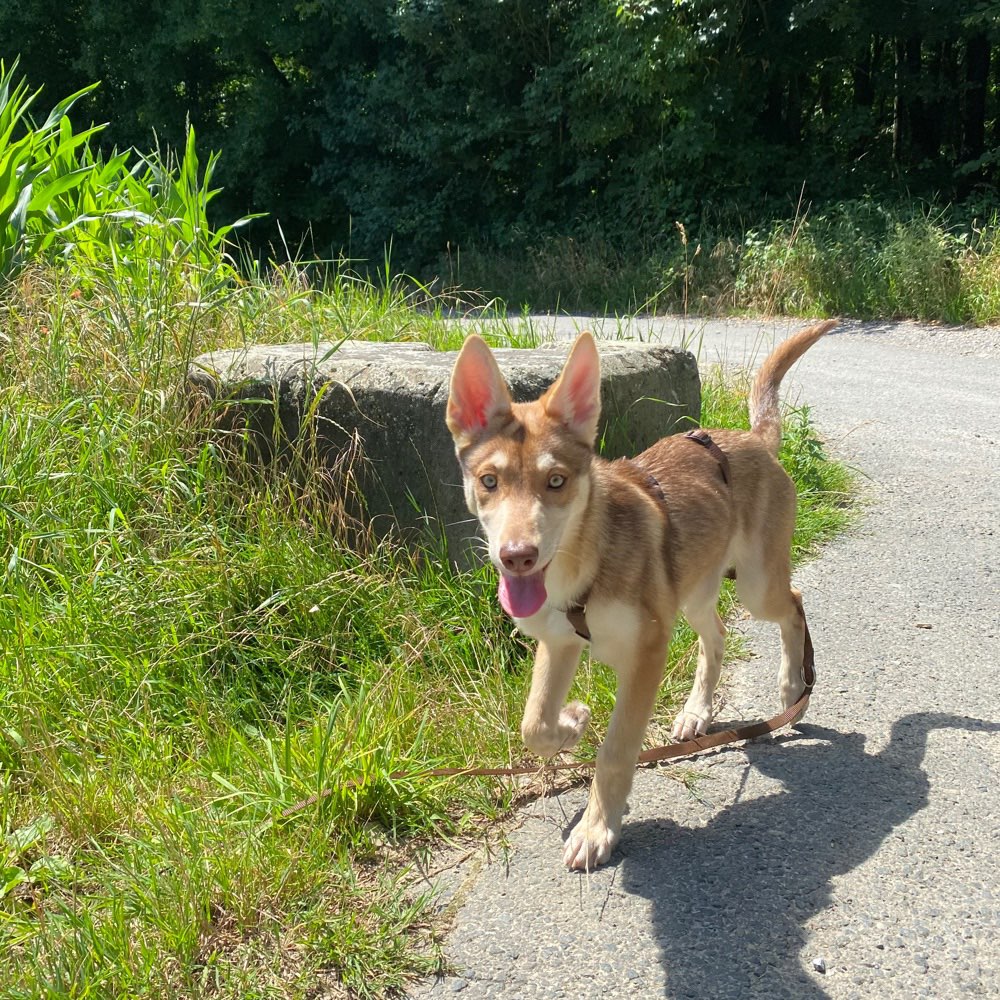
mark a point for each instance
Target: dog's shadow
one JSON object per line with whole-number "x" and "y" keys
{"x": 730, "y": 899}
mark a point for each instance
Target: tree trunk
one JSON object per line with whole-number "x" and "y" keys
{"x": 897, "y": 102}
{"x": 977, "y": 71}
{"x": 922, "y": 133}
{"x": 864, "y": 91}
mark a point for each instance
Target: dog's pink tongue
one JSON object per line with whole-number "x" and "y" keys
{"x": 522, "y": 596}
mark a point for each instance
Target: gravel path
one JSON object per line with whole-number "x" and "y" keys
{"x": 857, "y": 857}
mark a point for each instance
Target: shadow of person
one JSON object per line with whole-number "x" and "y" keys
{"x": 730, "y": 899}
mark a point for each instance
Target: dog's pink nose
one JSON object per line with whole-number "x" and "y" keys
{"x": 518, "y": 557}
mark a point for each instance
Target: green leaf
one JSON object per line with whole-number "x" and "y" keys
{"x": 10, "y": 878}
{"x": 28, "y": 836}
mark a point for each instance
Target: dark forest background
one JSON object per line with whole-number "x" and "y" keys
{"x": 441, "y": 124}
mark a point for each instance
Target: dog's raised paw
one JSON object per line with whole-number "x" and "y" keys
{"x": 688, "y": 725}
{"x": 589, "y": 845}
{"x": 547, "y": 741}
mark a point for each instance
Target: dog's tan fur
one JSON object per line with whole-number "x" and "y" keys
{"x": 547, "y": 503}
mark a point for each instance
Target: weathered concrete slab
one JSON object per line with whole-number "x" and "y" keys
{"x": 392, "y": 397}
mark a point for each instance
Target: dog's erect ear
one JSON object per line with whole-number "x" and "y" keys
{"x": 574, "y": 399}
{"x": 479, "y": 394}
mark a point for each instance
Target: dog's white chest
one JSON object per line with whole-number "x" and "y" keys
{"x": 614, "y": 626}
{"x": 549, "y": 624}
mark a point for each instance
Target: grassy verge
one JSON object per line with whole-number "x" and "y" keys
{"x": 856, "y": 259}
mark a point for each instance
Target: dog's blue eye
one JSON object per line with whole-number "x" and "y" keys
{"x": 555, "y": 481}
{"x": 489, "y": 481}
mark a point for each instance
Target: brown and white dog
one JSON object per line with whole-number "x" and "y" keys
{"x": 634, "y": 541}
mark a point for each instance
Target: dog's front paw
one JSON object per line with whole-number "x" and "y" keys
{"x": 589, "y": 844}
{"x": 547, "y": 741}
{"x": 791, "y": 689}
{"x": 689, "y": 724}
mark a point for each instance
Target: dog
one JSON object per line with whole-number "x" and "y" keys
{"x": 609, "y": 551}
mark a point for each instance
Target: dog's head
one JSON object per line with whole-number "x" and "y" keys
{"x": 525, "y": 466}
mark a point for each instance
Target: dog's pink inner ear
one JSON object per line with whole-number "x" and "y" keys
{"x": 582, "y": 396}
{"x": 575, "y": 398}
{"x": 478, "y": 391}
{"x": 470, "y": 404}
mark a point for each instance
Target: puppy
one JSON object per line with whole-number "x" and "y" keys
{"x": 608, "y": 552}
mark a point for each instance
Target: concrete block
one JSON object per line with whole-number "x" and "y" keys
{"x": 391, "y": 398}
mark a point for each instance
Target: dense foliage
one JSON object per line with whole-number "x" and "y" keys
{"x": 440, "y": 123}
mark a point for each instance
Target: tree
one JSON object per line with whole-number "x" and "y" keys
{"x": 429, "y": 122}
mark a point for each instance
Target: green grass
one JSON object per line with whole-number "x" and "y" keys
{"x": 185, "y": 656}
{"x": 189, "y": 652}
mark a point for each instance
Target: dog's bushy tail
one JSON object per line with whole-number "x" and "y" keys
{"x": 765, "y": 416}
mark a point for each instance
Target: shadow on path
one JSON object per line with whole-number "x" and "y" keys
{"x": 730, "y": 899}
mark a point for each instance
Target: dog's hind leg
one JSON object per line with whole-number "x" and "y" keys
{"x": 700, "y": 611}
{"x": 772, "y": 598}
{"x": 548, "y": 725}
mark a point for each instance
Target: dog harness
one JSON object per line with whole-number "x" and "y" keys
{"x": 703, "y": 438}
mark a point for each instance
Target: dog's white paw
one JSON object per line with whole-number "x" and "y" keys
{"x": 687, "y": 725}
{"x": 589, "y": 844}
{"x": 789, "y": 697}
{"x": 791, "y": 689}
{"x": 547, "y": 741}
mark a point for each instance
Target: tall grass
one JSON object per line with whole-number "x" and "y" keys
{"x": 190, "y": 653}
{"x": 40, "y": 170}
{"x": 186, "y": 656}
{"x": 863, "y": 260}
{"x": 856, "y": 259}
